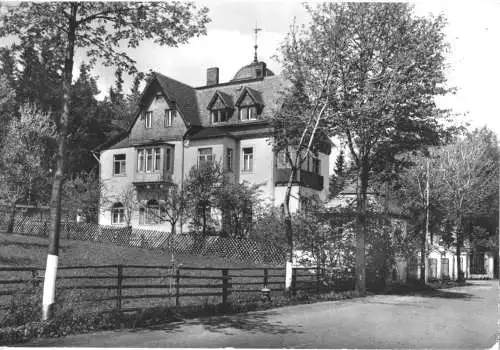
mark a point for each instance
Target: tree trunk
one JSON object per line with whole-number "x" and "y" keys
{"x": 361, "y": 229}
{"x": 10, "y": 227}
{"x": 460, "y": 276}
{"x": 288, "y": 231}
{"x": 423, "y": 259}
{"x": 55, "y": 201}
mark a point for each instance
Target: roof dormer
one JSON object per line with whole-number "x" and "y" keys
{"x": 249, "y": 104}
{"x": 221, "y": 107}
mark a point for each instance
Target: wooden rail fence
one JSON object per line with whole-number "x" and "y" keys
{"x": 126, "y": 287}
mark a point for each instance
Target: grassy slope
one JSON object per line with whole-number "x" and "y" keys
{"x": 18, "y": 250}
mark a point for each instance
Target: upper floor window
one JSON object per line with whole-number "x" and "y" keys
{"x": 248, "y": 113}
{"x": 119, "y": 164}
{"x": 247, "y": 164}
{"x": 148, "y": 120}
{"x": 229, "y": 159}
{"x": 204, "y": 156}
{"x": 220, "y": 115}
{"x": 169, "y": 118}
{"x": 148, "y": 159}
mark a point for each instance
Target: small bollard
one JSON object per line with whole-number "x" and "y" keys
{"x": 265, "y": 294}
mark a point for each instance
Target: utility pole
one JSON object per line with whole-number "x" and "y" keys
{"x": 426, "y": 263}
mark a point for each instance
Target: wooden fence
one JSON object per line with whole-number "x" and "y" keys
{"x": 131, "y": 287}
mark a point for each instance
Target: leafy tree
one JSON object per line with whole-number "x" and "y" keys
{"x": 386, "y": 65}
{"x": 469, "y": 182}
{"x": 82, "y": 194}
{"x": 98, "y": 27}
{"x": 22, "y": 171}
{"x": 237, "y": 203}
{"x": 419, "y": 193}
{"x": 173, "y": 202}
{"x": 87, "y": 127}
{"x": 201, "y": 186}
{"x": 337, "y": 180}
{"x": 7, "y": 103}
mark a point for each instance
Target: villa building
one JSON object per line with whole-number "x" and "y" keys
{"x": 179, "y": 127}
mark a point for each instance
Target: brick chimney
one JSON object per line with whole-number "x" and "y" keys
{"x": 212, "y": 76}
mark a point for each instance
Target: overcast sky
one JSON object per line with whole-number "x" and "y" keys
{"x": 473, "y": 32}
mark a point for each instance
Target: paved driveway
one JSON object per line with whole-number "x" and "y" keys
{"x": 464, "y": 317}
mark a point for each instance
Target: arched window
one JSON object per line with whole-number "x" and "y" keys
{"x": 117, "y": 214}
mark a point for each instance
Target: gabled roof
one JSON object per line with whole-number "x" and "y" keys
{"x": 255, "y": 95}
{"x": 183, "y": 95}
{"x": 226, "y": 99}
{"x": 267, "y": 91}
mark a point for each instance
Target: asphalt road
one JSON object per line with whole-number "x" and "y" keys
{"x": 464, "y": 317}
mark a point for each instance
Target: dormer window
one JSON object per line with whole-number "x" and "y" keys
{"x": 248, "y": 113}
{"x": 220, "y": 115}
{"x": 220, "y": 107}
{"x": 249, "y": 104}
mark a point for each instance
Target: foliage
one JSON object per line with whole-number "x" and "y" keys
{"x": 238, "y": 203}
{"x": 126, "y": 196}
{"x": 214, "y": 202}
{"x": 24, "y": 157}
{"x": 201, "y": 186}
{"x": 338, "y": 178}
{"x": 469, "y": 182}
{"x": 269, "y": 225}
{"x": 386, "y": 67}
{"x": 81, "y": 195}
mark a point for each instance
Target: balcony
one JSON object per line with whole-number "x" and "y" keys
{"x": 303, "y": 178}
{"x": 150, "y": 178}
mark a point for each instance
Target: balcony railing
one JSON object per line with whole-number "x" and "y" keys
{"x": 302, "y": 177}
{"x": 152, "y": 177}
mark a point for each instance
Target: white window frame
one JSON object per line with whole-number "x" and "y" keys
{"x": 148, "y": 120}
{"x": 219, "y": 116}
{"x": 169, "y": 118}
{"x": 248, "y": 113}
{"x": 148, "y": 159}
{"x": 122, "y": 165}
{"x": 247, "y": 164}
{"x": 117, "y": 214}
{"x": 205, "y": 157}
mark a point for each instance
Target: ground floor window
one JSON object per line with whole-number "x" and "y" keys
{"x": 117, "y": 214}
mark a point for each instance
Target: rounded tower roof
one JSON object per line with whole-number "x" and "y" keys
{"x": 252, "y": 71}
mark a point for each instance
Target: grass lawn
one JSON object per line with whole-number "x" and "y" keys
{"x": 29, "y": 251}
{"x": 18, "y": 250}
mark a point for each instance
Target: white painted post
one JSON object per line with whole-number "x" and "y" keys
{"x": 49, "y": 286}
{"x": 288, "y": 275}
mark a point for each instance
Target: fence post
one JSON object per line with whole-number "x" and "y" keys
{"x": 225, "y": 286}
{"x": 294, "y": 281}
{"x": 266, "y": 273}
{"x": 318, "y": 272}
{"x": 177, "y": 288}
{"x": 119, "y": 288}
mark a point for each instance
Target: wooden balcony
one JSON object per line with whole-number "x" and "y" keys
{"x": 302, "y": 177}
